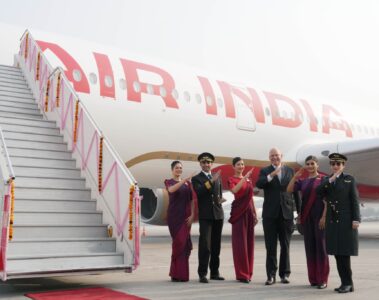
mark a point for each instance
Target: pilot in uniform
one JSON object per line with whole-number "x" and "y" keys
{"x": 211, "y": 218}
{"x": 340, "y": 193}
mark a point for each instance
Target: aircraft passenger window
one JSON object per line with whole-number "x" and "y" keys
{"x": 377, "y": 131}
{"x": 209, "y": 100}
{"x": 372, "y": 130}
{"x": 267, "y": 111}
{"x": 136, "y": 86}
{"x": 366, "y": 131}
{"x": 359, "y": 128}
{"x": 150, "y": 89}
{"x": 162, "y": 91}
{"x": 175, "y": 94}
{"x": 220, "y": 102}
{"x": 123, "y": 84}
{"x": 108, "y": 81}
{"x": 316, "y": 120}
{"x": 352, "y": 126}
{"x": 198, "y": 98}
{"x": 77, "y": 75}
{"x": 301, "y": 118}
{"x": 284, "y": 113}
{"x": 187, "y": 96}
{"x": 92, "y": 78}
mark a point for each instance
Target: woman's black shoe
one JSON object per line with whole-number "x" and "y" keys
{"x": 244, "y": 280}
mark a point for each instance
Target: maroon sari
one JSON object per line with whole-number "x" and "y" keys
{"x": 314, "y": 238}
{"x": 179, "y": 209}
{"x": 242, "y": 219}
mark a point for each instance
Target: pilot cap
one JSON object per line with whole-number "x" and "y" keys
{"x": 337, "y": 157}
{"x": 206, "y": 156}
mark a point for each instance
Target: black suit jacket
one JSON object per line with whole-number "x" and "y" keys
{"x": 208, "y": 195}
{"x": 275, "y": 193}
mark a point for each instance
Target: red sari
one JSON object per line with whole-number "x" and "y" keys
{"x": 179, "y": 209}
{"x": 242, "y": 218}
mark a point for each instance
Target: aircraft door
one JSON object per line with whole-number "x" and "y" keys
{"x": 244, "y": 116}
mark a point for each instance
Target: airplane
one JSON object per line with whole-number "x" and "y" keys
{"x": 155, "y": 112}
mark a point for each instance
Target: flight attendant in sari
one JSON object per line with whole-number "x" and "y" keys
{"x": 180, "y": 215}
{"x": 312, "y": 217}
{"x": 243, "y": 218}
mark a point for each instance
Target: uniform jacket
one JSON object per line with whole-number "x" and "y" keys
{"x": 342, "y": 209}
{"x": 208, "y": 196}
{"x": 275, "y": 193}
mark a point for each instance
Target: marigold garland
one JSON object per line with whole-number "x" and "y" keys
{"x": 131, "y": 195}
{"x": 58, "y": 90}
{"x": 100, "y": 167}
{"x": 47, "y": 96}
{"x": 38, "y": 65}
{"x": 12, "y": 211}
{"x": 26, "y": 46}
{"x": 76, "y": 121}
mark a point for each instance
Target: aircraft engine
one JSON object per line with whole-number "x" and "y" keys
{"x": 154, "y": 206}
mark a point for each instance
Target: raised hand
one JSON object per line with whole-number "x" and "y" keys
{"x": 248, "y": 174}
{"x": 299, "y": 173}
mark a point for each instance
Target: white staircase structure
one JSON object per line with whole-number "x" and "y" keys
{"x": 73, "y": 211}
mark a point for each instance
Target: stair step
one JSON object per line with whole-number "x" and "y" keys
{"x": 6, "y": 74}
{"x": 56, "y": 217}
{"x": 45, "y": 193}
{"x": 33, "y": 136}
{"x": 55, "y": 183}
{"x": 28, "y": 122}
{"x": 13, "y": 82}
{"x": 16, "y": 95}
{"x": 36, "y": 145}
{"x": 52, "y": 205}
{"x": 21, "y": 115}
{"x": 17, "y": 90}
{"x": 46, "y": 172}
{"x": 16, "y": 99}
{"x": 10, "y": 68}
{"x": 5, "y": 84}
{"x": 40, "y": 162}
{"x": 25, "y": 111}
{"x": 29, "y": 231}
{"x": 10, "y": 78}
{"x": 30, "y": 129}
{"x": 61, "y": 246}
{"x": 37, "y": 153}
{"x": 18, "y": 104}
{"x": 52, "y": 264}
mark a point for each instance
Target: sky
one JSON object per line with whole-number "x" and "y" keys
{"x": 322, "y": 49}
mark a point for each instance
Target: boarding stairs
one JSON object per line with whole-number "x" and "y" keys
{"x": 58, "y": 228}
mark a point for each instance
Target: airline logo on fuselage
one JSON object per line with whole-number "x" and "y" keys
{"x": 331, "y": 118}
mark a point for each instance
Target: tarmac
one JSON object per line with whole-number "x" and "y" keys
{"x": 151, "y": 279}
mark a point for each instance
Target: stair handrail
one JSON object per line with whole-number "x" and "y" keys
{"x": 7, "y": 175}
{"x": 37, "y": 69}
{"x": 97, "y": 128}
{"x": 11, "y": 174}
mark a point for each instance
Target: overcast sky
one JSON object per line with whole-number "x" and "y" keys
{"x": 326, "y": 49}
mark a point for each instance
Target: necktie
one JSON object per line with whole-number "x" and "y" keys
{"x": 209, "y": 176}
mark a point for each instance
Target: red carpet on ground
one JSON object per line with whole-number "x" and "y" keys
{"x": 95, "y": 293}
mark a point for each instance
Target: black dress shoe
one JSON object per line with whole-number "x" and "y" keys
{"x": 244, "y": 280}
{"x": 270, "y": 281}
{"x": 314, "y": 284}
{"x": 217, "y": 277}
{"x": 285, "y": 280}
{"x": 337, "y": 289}
{"x": 346, "y": 289}
{"x": 203, "y": 279}
{"x": 322, "y": 286}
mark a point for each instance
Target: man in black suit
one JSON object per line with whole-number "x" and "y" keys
{"x": 277, "y": 214}
{"x": 211, "y": 218}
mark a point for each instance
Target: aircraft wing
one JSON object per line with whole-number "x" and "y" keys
{"x": 363, "y": 159}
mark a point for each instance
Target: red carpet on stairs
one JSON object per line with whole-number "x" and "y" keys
{"x": 93, "y": 293}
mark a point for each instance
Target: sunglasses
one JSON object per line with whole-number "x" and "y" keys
{"x": 310, "y": 163}
{"x": 336, "y": 163}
